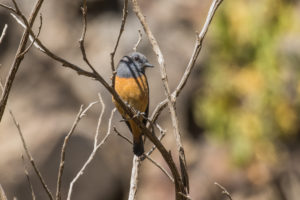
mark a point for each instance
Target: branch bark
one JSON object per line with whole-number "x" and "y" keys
{"x": 18, "y": 59}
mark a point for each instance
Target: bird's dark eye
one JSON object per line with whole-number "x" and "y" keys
{"x": 136, "y": 58}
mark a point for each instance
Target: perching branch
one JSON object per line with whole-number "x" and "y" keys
{"x": 18, "y": 59}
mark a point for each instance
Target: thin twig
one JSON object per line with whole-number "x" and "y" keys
{"x": 122, "y": 136}
{"x": 191, "y": 64}
{"x": 3, "y": 33}
{"x": 162, "y": 135}
{"x": 79, "y": 116}
{"x": 99, "y": 120}
{"x": 224, "y": 191}
{"x": 139, "y": 40}
{"x": 82, "y": 38}
{"x": 143, "y": 157}
{"x": 30, "y": 158}
{"x": 33, "y": 41}
{"x": 28, "y": 178}
{"x": 93, "y": 153}
{"x": 7, "y": 7}
{"x": 160, "y": 167}
{"x": 112, "y": 54}
{"x": 18, "y": 59}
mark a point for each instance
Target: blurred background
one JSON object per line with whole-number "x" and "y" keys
{"x": 239, "y": 112}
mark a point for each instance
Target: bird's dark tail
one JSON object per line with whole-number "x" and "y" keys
{"x": 138, "y": 147}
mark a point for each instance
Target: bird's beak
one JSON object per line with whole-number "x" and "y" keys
{"x": 148, "y": 65}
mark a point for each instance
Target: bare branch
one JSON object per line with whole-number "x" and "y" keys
{"x": 191, "y": 64}
{"x": 99, "y": 120}
{"x": 33, "y": 41}
{"x": 160, "y": 167}
{"x": 136, "y": 163}
{"x": 162, "y": 135}
{"x": 18, "y": 59}
{"x": 122, "y": 136}
{"x": 82, "y": 38}
{"x": 3, "y": 33}
{"x": 198, "y": 47}
{"x": 79, "y": 116}
{"x": 139, "y": 40}
{"x": 224, "y": 191}
{"x": 7, "y": 7}
{"x": 112, "y": 54}
{"x": 30, "y": 158}
{"x": 93, "y": 153}
{"x": 28, "y": 178}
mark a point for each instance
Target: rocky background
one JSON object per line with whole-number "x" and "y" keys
{"x": 239, "y": 112}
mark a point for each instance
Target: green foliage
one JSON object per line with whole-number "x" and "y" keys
{"x": 251, "y": 92}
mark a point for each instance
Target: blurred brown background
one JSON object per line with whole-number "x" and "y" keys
{"x": 239, "y": 112}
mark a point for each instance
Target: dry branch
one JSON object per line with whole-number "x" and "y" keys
{"x": 3, "y": 33}
{"x": 112, "y": 54}
{"x": 139, "y": 40}
{"x": 198, "y": 45}
{"x": 136, "y": 163}
{"x": 224, "y": 191}
{"x": 28, "y": 178}
{"x": 30, "y": 158}
{"x": 18, "y": 59}
{"x": 79, "y": 116}
{"x": 93, "y": 153}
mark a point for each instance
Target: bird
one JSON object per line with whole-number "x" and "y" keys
{"x": 132, "y": 86}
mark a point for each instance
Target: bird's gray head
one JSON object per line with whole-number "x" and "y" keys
{"x": 133, "y": 65}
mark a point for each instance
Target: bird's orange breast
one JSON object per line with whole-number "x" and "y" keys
{"x": 134, "y": 91}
